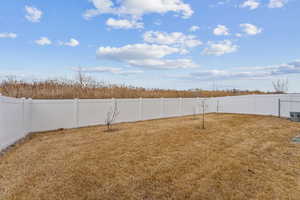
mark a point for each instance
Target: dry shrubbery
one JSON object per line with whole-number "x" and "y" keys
{"x": 90, "y": 89}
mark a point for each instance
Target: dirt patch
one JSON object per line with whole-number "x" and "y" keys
{"x": 235, "y": 157}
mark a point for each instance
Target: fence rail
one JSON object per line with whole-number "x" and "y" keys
{"x": 18, "y": 117}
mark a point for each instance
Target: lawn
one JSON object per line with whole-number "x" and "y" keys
{"x": 235, "y": 157}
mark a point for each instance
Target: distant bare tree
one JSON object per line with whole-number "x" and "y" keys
{"x": 82, "y": 78}
{"x": 111, "y": 115}
{"x": 281, "y": 85}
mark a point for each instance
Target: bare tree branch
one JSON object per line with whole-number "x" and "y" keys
{"x": 204, "y": 107}
{"x": 111, "y": 115}
{"x": 281, "y": 85}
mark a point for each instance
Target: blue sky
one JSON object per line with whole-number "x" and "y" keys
{"x": 178, "y": 44}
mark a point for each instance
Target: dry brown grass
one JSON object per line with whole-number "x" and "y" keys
{"x": 236, "y": 157}
{"x": 67, "y": 89}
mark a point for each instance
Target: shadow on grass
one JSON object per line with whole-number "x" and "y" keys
{"x": 111, "y": 130}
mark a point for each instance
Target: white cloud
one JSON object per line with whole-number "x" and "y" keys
{"x": 250, "y": 29}
{"x": 43, "y": 41}
{"x": 72, "y": 43}
{"x": 251, "y": 4}
{"x": 33, "y": 14}
{"x": 145, "y": 55}
{"x": 223, "y": 2}
{"x": 225, "y": 75}
{"x": 221, "y": 30}
{"x": 138, "y": 8}
{"x": 194, "y": 28}
{"x": 136, "y": 52}
{"x": 219, "y": 3}
{"x": 124, "y": 24}
{"x": 130, "y": 72}
{"x": 176, "y": 38}
{"x": 238, "y": 35}
{"x": 256, "y": 72}
{"x": 277, "y": 3}
{"x": 220, "y": 48}
{"x": 164, "y": 63}
{"x": 8, "y": 35}
{"x": 112, "y": 70}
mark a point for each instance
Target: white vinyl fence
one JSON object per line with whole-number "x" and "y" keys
{"x": 14, "y": 120}
{"x": 18, "y": 117}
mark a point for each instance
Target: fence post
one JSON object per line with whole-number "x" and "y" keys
{"x": 29, "y": 128}
{"x": 279, "y": 108}
{"x": 23, "y": 116}
{"x": 290, "y": 104}
{"x": 76, "y": 114}
{"x": 254, "y": 102}
{"x": 162, "y": 109}
{"x": 141, "y": 109}
{"x": 113, "y": 102}
{"x": 180, "y": 107}
{"x": 197, "y": 105}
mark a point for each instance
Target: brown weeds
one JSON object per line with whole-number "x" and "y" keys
{"x": 68, "y": 89}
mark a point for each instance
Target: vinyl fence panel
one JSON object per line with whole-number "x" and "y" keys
{"x": 52, "y": 115}
{"x": 93, "y": 112}
{"x": 12, "y": 120}
{"x": 152, "y": 109}
{"x": 172, "y": 107}
{"x": 129, "y": 110}
{"x": 189, "y": 106}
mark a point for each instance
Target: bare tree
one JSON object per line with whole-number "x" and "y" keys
{"x": 111, "y": 115}
{"x": 204, "y": 108}
{"x": 281, "y": 85}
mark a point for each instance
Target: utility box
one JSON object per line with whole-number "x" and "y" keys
{"x": 295, "y": 116}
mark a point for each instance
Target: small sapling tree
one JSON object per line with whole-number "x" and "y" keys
{"x": 203, "y": 108}
{"x": 111, "y": 116}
